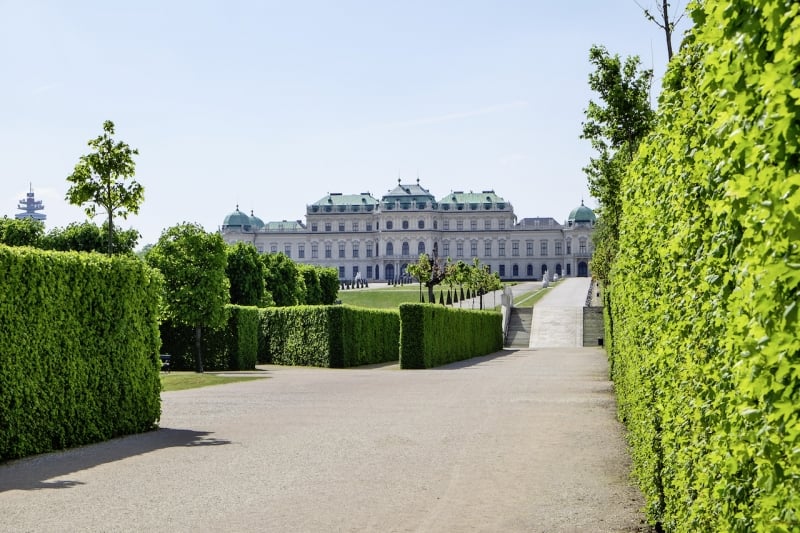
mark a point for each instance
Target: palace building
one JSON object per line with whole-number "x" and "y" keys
{"x": 363, "y": 237}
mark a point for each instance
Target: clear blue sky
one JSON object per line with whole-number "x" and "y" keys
{"x": 271, "y": 105}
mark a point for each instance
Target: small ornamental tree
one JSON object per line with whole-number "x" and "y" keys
{"x": 196, "y": 288}
{"x": 103, "y": 179}
{"x": 429, "y": 272}
{"x": 245, "y": 272}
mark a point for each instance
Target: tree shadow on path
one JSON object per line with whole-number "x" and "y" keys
{"x": 32, "y": 473}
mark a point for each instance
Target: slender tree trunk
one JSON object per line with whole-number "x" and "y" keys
{"x": 667, "y": 29}
{"x": 198, "y": 357}
{"x": 431, "y": 297}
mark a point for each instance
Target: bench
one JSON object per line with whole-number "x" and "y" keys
{"x": 165, "y": 361}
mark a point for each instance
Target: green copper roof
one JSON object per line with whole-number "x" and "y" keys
{"x": 283, "y": 225}
{"x": 582, "y": 214}
{"x": 255, "y": 221}
{"x": 336, "y": 198}
{"x": 237, "y": 218}
{"x": 408, "y": 193}
{"x": 473, "y": 200}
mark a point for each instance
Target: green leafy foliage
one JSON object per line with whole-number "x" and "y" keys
{"x": 328, "y": 336}
{"x": 705, "y": 289}
{"x": 100, "y": 179}
{"x": 21, "y": 232}
{"x": 196, "y": 288}
{"x": 88, "y": 237}
{"x": 78, "y": 349}
{"x": 232, "y": 346}
{"x": 432, "y": 336}
{"x": 245, "y": 273}
{"x": 328, "y": 285}
{"x": 283, "y": 279}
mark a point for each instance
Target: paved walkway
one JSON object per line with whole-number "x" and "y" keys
{"x": 517, "y": 441}
{"x": 558, "y": 316}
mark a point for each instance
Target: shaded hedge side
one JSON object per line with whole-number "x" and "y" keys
{"x": 78, "y": 349}
{"x": 432, "y": 335}
{"x": 232, "y": 347}
{"x": 328, "y": 336}
{"x": 706, "y": 343}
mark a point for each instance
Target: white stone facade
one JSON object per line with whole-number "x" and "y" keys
{"x": 359, "y": 235}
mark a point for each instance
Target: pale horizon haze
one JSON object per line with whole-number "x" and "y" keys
{"x": 272, "y": 105}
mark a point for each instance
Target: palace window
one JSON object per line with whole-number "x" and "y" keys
{"x": 369, "y": 226}
{"x": 341, "y": 272}
{"x": 501, "y": 248}
{"x": 421, "y": 224}
{"x": 273, "y": 248}
{"x": 421, "y": 248}
{"x": 327, "y": 250}
{"x": 314, "y": 226}
{"x": 369, "y": 250}
{"x": 389, "y": 224}
{"x": 543, "y": 248}
{"x": 459, "y": 225}
{"x": 355, "y": 250}
{"x": 314, "y": 251}
{"x": 582, "y": 247}
{"x": 459, "y": 249}
{"x": 515, "y": 248}
{"x": 487, "y": 248}
{"x": 487, "y": 224}
{"x": 301, "y": 251}
{"x": 341, "y": 226}
{"x": 405, "y": 249}
{"x": 446, "y": 248}
{"x": 529, "y": 248}
{"x": 405, "y": 224}
{"x": 473, "y": 225}
{"x": 473, "y": 248}
{"x": 502, "y": 224}
{"x": 287, "y": 249}
{"x": 389, "y": 249}
{"x": 558, "y": 247}
{"x": 502, "y": 271}
{"x": 369, "y": 272}
{"x": 355, "y": 226}
{"x": 446, "y": 225}
{"x": 327, "y": 226}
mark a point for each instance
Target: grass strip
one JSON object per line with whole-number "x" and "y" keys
{"x": 175, "y": 381}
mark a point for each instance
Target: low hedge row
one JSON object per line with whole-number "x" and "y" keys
{"x": 78, "y": 349}
{"x": 232, "y": 347}
{"x": 328, "y": 336}
{"x": 431, "y": 335}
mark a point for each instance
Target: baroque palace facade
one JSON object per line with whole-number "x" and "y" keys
{"x": 363, "y": 237}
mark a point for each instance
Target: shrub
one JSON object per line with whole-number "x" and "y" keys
{"x": 78, "y": 349}
{"x": 706, "y": 286}
{"x": 432, "y": 336}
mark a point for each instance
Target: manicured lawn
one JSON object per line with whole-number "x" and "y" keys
{"x": 191, "y": 380}
{"x": 388, "y": 298}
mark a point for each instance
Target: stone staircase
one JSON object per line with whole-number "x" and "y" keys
{"x": 519, "y": 327}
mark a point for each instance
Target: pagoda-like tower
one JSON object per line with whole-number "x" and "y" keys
{"x": 30, "y": 205}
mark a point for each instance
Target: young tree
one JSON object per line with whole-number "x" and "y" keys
{"x": 21, "y": 232}
{"x": 245, "y": 272}
{"x": 100, "y": 179}
{"x": 328, "y": 285}
{"x": 661, "y": 19}
{"x": 196, "y": 288}
{"x": 615, "y": 127}
{"x": 429, "y": 271}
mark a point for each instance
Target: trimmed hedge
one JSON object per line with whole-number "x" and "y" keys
{"x": 79, "y": 349}
{"x": 328, "y": 336}
{"x": 232, "y": 347}
{"x": 706, "y": 287}
{"x": 431, "y": 335}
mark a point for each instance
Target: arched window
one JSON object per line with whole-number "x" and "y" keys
{"x": 389, "y": 249}
{"x": 515, "y": 270}
{"x": 530, "y": 270}
{"x": 544, "y": 269}
{"x": 388, "y": 224}
{"x": 421, "y": 224}
{"x": 421, "y": 247}
{"x": 558, "y": 269}
{"x": 405, "y": 224}
{"x": 405, "y": 249}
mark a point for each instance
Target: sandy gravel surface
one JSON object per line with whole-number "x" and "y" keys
{"x": 518, "y": 441}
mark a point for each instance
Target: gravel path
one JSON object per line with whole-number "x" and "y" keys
{"x": 517, "y": 441}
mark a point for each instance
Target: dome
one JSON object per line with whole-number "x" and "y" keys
{"x": 582, "y": 214}
{"x": 256, "y": 222}
{"x": 237, "y": 218}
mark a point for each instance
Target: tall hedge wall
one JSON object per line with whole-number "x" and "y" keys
{"x": 232, "y": 347}
{"x": 328, "y": 336}
{"x": 432, "y": 335}
{"x": 705, "y": 291}
{"x": 78, "y": 349}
